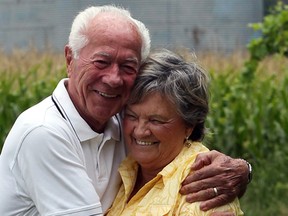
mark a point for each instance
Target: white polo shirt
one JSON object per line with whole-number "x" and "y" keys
{"x": 53, "y": 163}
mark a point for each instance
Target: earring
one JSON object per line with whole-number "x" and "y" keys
{"x": 187, "y": 142}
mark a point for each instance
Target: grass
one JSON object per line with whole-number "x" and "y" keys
{"x": 248, "y": 119}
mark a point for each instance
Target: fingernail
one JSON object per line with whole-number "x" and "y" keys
{"x": 203, "y": 207}
{"x": 189, "y": 198}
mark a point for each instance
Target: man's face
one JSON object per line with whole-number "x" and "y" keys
{"x": 100, "y": 80}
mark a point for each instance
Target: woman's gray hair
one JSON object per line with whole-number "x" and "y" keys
{"x": 184, "y": 83}
{"x": 78, "y": 38}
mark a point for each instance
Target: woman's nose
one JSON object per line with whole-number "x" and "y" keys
{"x": 141, "y": 129}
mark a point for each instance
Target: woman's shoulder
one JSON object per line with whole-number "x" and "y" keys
{"x": 190, "y": 152}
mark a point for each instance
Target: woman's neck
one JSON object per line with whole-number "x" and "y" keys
{"x": 143, "y": 176}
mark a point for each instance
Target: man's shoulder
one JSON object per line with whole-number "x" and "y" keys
{"x": 44, "y": 114}
{"x": 40, "y": 122}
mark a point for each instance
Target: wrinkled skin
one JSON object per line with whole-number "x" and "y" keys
{"x": 214, "y": 169}
{"x": 223, "y": 214}
{"x": 101, "y": 79}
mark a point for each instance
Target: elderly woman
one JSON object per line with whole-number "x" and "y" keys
{"x": 163, "y": 127}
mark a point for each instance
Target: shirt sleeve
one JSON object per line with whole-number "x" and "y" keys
{"x": 54, "y": 175}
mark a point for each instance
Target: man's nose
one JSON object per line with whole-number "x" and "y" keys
{"x": 113, "y": 77}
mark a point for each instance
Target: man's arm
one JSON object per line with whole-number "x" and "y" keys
{"x": 212, "y": 170}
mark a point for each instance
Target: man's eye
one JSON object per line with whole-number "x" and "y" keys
{"x": 129, "y": 69}
{"x": 100, "y": 63}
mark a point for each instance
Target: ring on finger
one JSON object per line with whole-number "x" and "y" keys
{"x": 215, "y": 191}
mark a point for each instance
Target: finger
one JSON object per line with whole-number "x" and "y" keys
{"x": 215, "y": 202}
{"x": 204, "y": 159}
{"x": 202, "y": 185}
{"x": 204, "y": 173}
{"x": 202, "y": 195}
{"x": 201, "y": 160}
{"x": 222, "y": 214}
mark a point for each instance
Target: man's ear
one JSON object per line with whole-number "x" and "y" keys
{"x": 69, "y": 59}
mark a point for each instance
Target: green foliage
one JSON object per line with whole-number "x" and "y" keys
{"x": 251, "y": 122}
{"x": 249, "y": 117}
{"x": 274, "y": 30}
{"x": 274, "y": 39}
{"x": 19, "y": 90}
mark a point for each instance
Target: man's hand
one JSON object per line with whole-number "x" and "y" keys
{"x": 215, "y": 170}
{"x": 223, "y": 214}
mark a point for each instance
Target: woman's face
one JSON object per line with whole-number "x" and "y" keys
{"x": 154, "y": 132}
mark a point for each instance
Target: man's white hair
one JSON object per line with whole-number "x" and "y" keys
{"x": 78, "y": 35}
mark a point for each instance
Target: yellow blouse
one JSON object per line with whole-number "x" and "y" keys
{"x": 161, "y": 196}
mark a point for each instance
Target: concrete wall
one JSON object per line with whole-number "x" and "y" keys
{"x": 217, "y": 25}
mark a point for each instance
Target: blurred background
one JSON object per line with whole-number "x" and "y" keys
{"x": 242, "y": 43}
{"x": 217, "y": 25}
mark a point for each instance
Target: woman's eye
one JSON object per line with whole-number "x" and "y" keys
{"x": 130, "y": 116}
{"x": 156, "y": 121}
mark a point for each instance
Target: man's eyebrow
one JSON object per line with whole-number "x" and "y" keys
{"x": 101, "y": 53}
{"x": 133, "y": 60}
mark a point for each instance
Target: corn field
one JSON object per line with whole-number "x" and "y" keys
{"x": 248, "y": 119}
